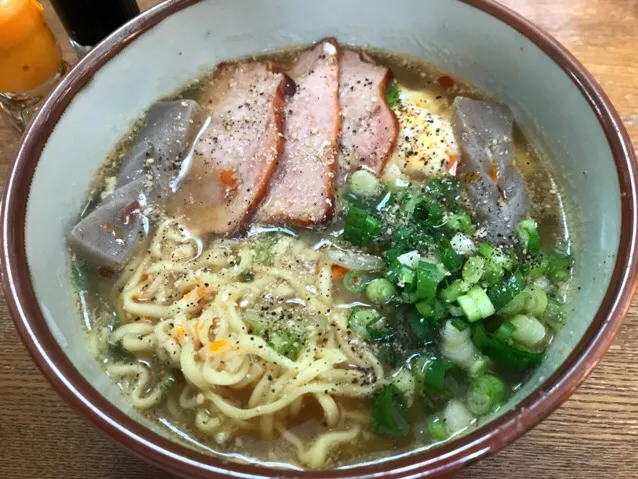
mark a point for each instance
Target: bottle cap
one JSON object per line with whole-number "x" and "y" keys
{"x": 18, "y": 20}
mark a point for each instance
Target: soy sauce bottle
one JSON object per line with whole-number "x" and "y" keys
{"x": 87, "y": 22}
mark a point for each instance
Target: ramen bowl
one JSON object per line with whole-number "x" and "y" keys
{"x": 559, "y": 106}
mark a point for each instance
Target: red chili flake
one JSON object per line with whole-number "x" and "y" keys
{"x": 446, "y": 82}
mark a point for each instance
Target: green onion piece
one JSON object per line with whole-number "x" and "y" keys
{"x": 434, "y": 377}
{"x": 454, "y": 290}
{"x": 559, "y": 264}
{"x": 506, "y": 290}
{"x": 493, "y": 273}
{"x": 516, "y": 305}
{"x": 460, "y": 221}
{"x": 485, "y": 394}
{"x": 449, "y": 257}
{"x": 446, "y": 189}
{"x": 419, "y": 366}
{"x": 433, "y": 310}
{"x": 437, "y": 429}
{"x": 246, "y": 277}
{"x": 360, "y": 228}
{"x": 504, "y": 332}
{"x": 512, "y": 358}
{"x": 455, "y": 311}
{"x": 380, "y": 290}
{"x": 473, "y": 269}
{"x": 360, "y": 319}
{"x": 529, "y": 330}
{"x": 285, "y": 343}
{"x": 402, "y": 275}
{"x": 486, "y": 249}
{"x": 167, "y": 385}
{"x": 419, "y": 326}
{"x": 428, "y": 275}
{"x": 469, "y": 307}
{"x": 482, "y": 301}
{"x": 363, "y": 183}
{"x": 528, "y": 235}
{"x": 431, "y": 210}
{"x": 459, "y": 324}
{"x": 388, "y": 415}
{"x": 392, "y": 95}
{"x": 554, "y": 315}
{"x": 356, "y": 281}
{"x": 83, "y": 275}
{"x": 536, "y": 302}
{"x": 116, "y": 352}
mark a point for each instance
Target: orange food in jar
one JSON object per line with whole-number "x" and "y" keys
{"x": 29, "y": 54}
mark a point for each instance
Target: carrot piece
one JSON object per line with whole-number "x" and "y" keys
{"x": 181, "y": 332}
{"x": 227, "y": 177}
{"x": 217, "y": 345}
{"x": 446, "y": 82}
{"x": 453, "y": 164}
{"x": 493, "y": 171}
{"x": 338, "y": 271}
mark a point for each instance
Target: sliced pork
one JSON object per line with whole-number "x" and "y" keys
{"x": 484, "y": 133}
{"x": 221, "y": 185}
{"x": 370, "y": 128}
{"x": 302, "y": 188}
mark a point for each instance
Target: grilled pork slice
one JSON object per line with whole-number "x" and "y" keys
{"x": 302, "y": 188}
{"x": 223, "y": 182}
{"x": 370, "y": 128}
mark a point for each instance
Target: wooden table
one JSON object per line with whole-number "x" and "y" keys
{"x": 594, "y": 434}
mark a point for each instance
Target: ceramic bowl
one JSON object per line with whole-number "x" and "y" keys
{"x": 560, "y": 107}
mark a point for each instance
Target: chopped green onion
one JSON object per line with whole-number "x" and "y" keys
{"x": 388, "y": 415}
{"x": 402, "y": 275}
{"x": 554, "y": 315}
{"x": 536, "y": 302}
{"x": 449, "y": 257}
{"x": 246, "y": 277}
{"x": 83, "y": 275}
{"x": 486, "y": 249}
{"x": 559, "y": 265}
{"x": 485, "y": 394}
{"x": 460, "y": 221}
{"x": 419, "y": 326}
{"x": 454, "y": 290}
{"x": 506, "y": 290}
{"x": 433, "y": 310}
{"x": 286, "y": 343}
{"x": 504, "y": 332}
{"x": 528, "y": 235}
{"x": 434, "y": 377}
{"x": 529, "y": 330}
{"x": 469, "y": 307}
{"x": 428, "y": 275}
{"x": 446, "y": 189}
{"x": 360, "y": 319}
{"x": 515, "y": 359}
{"x": 393, "y": 95}
{"x": 459, "y": 324}
{"x": 437, "y": 429}
{"x": 473, "y": 269}
{"x": 419, "y": 366}
{"x": 167, "y": 385}
{"x": 363, "y": 183}
{"x": 482, "y": 301}
{"x": 360, "y": 228}
{"x": 516, "y": 305}
{"x": 380, "y": 290}
{"x": 356, "y": 281}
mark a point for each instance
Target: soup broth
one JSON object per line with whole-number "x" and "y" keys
{"x": 394, "y": 315}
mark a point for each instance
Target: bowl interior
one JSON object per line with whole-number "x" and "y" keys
{"x": 452, "y": 35}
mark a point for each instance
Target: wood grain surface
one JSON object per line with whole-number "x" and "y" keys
{"x": 594, "y": 434}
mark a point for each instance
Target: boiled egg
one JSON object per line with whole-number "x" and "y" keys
{"x": 426, "y": 146}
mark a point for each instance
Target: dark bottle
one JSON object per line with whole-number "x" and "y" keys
{"x": 89, "y": 21}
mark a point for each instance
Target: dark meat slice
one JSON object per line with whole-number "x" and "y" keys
{"x": 226, "y": 178}
{"x": 484, "y": 133}
{"x": 110, "y": 234}
{"x": 162, "y": 144}
{"x": 370, "y": 127}
{"x": 302, "y": 188}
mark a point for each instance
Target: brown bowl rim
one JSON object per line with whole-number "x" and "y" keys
{"x": 179, "y": 459}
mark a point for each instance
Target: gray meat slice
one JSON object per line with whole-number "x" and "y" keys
{"x": 370, "y": 127}
{"x": 223, "y": 183}
{"x": 302, "y": 188}
{"x": 110, "y": 234}
{"x": 160, "y": 147}
{"x": 484, "y": 133}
